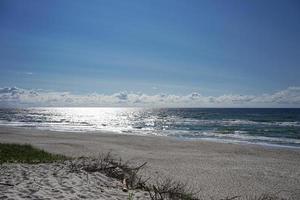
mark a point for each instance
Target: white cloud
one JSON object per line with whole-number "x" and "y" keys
{"x": 18, "y": 97}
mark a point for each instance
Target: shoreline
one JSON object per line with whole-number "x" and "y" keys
{"x": 217, "y": 169}
{"x": 214, "y": 140}
{"x": 227, "y": 141}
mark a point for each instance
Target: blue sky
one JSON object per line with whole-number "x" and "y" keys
{"x": 150, "y": 46}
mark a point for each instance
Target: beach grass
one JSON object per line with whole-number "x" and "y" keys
{"x": 25, "y": 153}
{"x": 165, "y": 189}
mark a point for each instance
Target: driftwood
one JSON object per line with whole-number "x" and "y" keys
{"x": 125, "y": 188}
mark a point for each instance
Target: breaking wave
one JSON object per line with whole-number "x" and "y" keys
{"x": 261, "y": 126}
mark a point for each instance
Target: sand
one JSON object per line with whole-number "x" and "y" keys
{"x": 216, "y": 169}
{"x": 55, "y": 181}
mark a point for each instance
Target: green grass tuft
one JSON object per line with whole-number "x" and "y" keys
{"x": 25, "y": 153}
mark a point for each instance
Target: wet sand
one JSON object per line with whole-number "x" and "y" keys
{"x": 216, "y": 169}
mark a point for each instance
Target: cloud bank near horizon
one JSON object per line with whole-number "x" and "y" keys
{"x": 18, "y": 97}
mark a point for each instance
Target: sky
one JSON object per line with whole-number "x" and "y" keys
{"x": 177, "y": 53}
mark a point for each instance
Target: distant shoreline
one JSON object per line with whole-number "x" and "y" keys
{"x": 217, "y": 169}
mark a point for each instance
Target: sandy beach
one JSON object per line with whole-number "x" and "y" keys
{"x": 55, "y": 181}
{"x": 217, "y": 170}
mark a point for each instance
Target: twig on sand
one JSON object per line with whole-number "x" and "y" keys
{"x": 125, "y": 188}
{"x": 7, "y": 184}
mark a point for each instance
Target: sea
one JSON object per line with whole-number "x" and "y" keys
{"x": 273, "y": 127}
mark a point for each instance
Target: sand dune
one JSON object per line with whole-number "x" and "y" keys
{"x": 55, "y": 181}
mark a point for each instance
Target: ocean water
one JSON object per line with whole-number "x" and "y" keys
{"x": 280, "y": 127}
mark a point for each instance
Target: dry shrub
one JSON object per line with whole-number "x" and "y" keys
{"x": 168, "y": 188}
{"x": 111, "y": 167}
